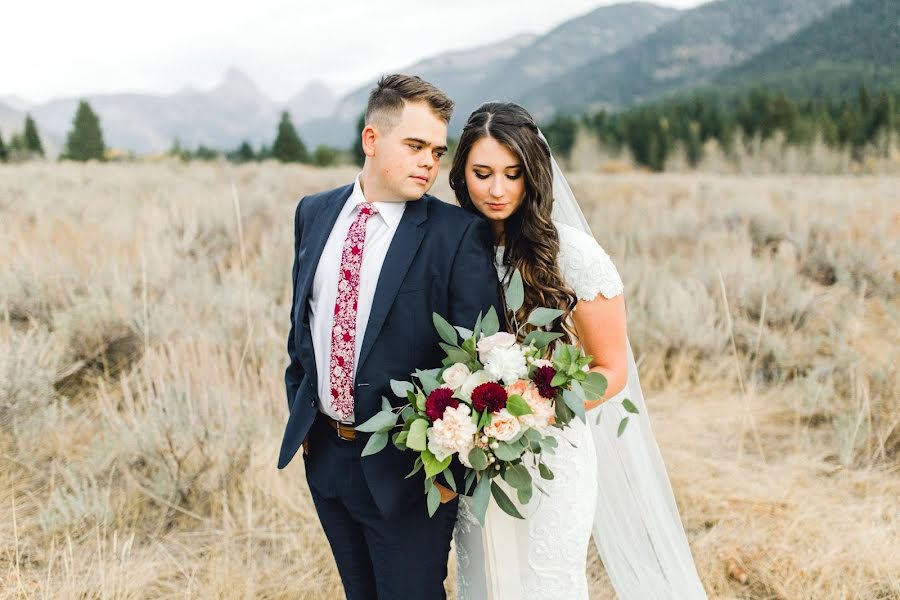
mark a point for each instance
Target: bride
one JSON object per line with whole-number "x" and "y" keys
{"x": 615, "y": 488}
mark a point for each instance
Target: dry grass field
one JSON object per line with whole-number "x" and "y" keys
{"x": 143, "y": 314}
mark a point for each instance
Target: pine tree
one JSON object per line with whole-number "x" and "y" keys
{"x": 4, "y": 154}
{"x": 32, "y": 138}
{"x": 85, "y": 140}
{"x": 245, "y": 152}
{"x": 359, "y": 155}
{"x": 288, "y": 147}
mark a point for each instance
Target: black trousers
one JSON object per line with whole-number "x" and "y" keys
{"x": 404, "y": 557}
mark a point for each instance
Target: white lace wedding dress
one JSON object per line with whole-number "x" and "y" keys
{"x": 544, "y": 556}
{"x": 614, "y": 487}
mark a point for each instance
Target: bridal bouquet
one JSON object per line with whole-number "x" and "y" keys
{"x": 494, "y": 404}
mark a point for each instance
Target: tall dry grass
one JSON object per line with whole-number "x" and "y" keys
{"x": 143, "y": 314}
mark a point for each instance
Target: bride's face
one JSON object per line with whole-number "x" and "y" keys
{"x": 495, "y": 178}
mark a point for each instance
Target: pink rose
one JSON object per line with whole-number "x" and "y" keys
{"x": 503, "y": 426}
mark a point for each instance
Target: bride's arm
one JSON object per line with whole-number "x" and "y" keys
{"x": 601, "y": 328}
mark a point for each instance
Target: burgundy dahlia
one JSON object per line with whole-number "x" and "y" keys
{"x": 490, "y": 396}
{"x": 542, "y": 378}
{"x": 438, "y": 401}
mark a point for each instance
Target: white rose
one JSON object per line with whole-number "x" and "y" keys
{"x": 507, "y": 364}
{"x": 456, "y": 375}
{"x": 498, "y": 340}
{"x": 472, "y": 382}
{"x": 503, "y": 426}
{"x": 453, "y": 433}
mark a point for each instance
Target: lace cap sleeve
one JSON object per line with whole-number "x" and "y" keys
{"x": 585, "y": 266}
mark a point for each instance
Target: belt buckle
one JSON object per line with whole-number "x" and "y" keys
{"x": 340, "y": 428}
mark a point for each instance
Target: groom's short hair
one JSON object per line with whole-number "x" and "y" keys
{"x": 387, "y": 99}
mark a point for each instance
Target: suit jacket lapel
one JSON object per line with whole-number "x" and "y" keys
{"x": 311, "y": 247}
{"x": 399, "y": 257}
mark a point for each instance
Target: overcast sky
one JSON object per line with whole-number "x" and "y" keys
{"x": 98, "y": 46}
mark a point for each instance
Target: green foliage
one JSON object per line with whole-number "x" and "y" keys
{"x": 359, "y": 157}
{"x": 32, "y": 138}
{"x": 288, "y": 147}
{"x": 325, "y": 156}
{"x": 85, "y": 140}
{"x": 242, "y": 154}
{"x": 205, "y": 153}
{"x": 652, "y": 131}
{"x": 560, "y": 133}
{"x": 4, "y": 153}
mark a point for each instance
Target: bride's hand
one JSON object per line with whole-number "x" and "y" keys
{"x": 446, "y": 494}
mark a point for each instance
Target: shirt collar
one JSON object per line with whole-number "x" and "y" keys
{"x": 391, "y": 212}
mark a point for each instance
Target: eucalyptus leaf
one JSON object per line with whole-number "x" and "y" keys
{"x": 444, "y": 329}
{"x": 545, "y": 472}
{"x": 478, "y": 459}
{"x": 386, "y": 404}
{"x": 476, "y": 331}
{"x": 382, "y": 420}
{"x": 541, "y": 339}
{"x": 463, "y": 332}
{"x": 629, "y": 406}
{"x": 416, "y": 440}
{"x": 504, "y": 451}
{"x": 594, "y": 385}
{"x": 515, "y": 292}
{"x": 622, "y": 425}
{"x": 491, "y": 323}
{"x": 543, "y": 316}
{"x": 401, "y": 387}
{"x": 575, "y": 403}
{"x": 416, "y": 468}
{"x": 470, "y": 479}
{"x": 377, "y": 442}
{"x": 480, "y": 498}
{"x": 525, "y": 494}
{"x": 429, "y": 381}
{"x": 434, "y": 500}
{"x": 450, "y": 479}
{"x": 455, "y": 354}
{"x": 504, "y": 502}
{"x": 518, "y": 477}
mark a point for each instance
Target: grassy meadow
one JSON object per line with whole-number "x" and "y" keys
{"x": 143, "y": 316}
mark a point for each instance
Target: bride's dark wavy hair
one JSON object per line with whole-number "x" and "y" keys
{"x": 532, "y": 243}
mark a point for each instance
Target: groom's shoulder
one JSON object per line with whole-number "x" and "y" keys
{"x": 314, "y": 202}
{"x": 448, "y": 216}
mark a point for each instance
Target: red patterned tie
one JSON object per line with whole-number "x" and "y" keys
{"x": 343, "y": 333}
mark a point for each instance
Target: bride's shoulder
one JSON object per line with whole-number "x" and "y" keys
{"x": 585, "y": 265}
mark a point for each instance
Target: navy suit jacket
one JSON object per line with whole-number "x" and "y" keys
{"x": 440, "y": 260}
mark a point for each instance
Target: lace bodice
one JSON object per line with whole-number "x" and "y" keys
{"x": 583, "y": 263}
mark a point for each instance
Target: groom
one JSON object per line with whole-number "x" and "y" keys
{"x": 372, "y": 261}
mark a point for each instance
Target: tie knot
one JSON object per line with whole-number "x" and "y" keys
{"x": 368, "y": 209}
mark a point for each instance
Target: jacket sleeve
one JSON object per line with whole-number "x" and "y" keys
{"x": 474, "y": 286}
{"x": 293, "y": 375}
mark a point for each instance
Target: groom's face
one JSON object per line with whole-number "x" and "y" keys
{"x": 407, "y": 156}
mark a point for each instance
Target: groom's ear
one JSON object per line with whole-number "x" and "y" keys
{"x": 367, "y": 138}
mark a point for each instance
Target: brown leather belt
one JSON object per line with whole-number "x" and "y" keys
{"x": 343, "y": 430}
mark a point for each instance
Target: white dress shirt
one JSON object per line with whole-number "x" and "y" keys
{"x": 380, "y": 230}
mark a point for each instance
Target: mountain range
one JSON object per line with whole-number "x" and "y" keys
{"x": 612, "y": 57}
